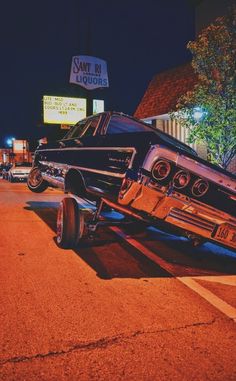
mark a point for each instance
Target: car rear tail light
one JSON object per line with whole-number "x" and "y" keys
{"x": 161, "y": 170}
{"x": 181, "y": 179}
{"x": 200, "y": 187}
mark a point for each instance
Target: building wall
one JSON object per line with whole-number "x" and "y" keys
{"x": 7, "y": 156}
{"x": 181, "y": 133}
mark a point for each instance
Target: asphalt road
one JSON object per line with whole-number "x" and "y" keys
{"x": 138, "y": 307}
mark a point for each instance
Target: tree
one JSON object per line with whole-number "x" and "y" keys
{"x": 209, "y": 111}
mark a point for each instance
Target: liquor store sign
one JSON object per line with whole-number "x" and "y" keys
{"x": 63, "y": 110}
{"x": 89, "y": 72}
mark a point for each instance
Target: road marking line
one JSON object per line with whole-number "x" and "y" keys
{"x": 211, "y": 298}
{"x": 229, "y": 280}
{"x": 148, "y": 253}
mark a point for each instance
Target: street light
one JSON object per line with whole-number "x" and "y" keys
{"x": 198, "y": 114}
{"x": 9, "y": 141}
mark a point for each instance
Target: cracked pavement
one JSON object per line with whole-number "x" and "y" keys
{"x": 101, "y": 312}
{"x": 99, "y": 344}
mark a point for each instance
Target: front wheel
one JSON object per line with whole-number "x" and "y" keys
{"x": 35, "y": 181}
{"x": 70, "y": 223}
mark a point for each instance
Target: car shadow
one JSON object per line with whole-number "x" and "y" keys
{"x": 208, "y": 258}
{"x": 113, "y": 257}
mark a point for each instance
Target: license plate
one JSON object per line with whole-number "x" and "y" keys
{"x": 227, "y": 234}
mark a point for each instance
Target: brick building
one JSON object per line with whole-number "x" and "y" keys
{"x": 161, "y": 97}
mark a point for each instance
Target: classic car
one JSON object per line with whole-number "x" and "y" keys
{"x": 146, "y": 174}
{"x": 19, "y": 171}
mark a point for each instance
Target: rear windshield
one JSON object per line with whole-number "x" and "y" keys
{"x": 122, "y": 124}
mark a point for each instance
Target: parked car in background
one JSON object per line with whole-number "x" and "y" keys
{"x": 4, "y": 170}
{"x": 19, "y": 171}
{"x": 140, "y": 171}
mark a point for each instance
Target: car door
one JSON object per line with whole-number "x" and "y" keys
{"x": 120, "y": 141}
{"x": 79, "y": 149}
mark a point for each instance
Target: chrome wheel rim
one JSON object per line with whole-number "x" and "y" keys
{"x": 35, "y": 178}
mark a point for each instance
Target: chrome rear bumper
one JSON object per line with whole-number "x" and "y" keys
{"x": 181, "y": 211}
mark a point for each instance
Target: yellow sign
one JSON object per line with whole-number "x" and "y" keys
{"x": 63, "y": 110}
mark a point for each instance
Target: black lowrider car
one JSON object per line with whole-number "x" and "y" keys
{"x": 141, "y": 171}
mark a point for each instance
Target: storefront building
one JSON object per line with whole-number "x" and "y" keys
{"x": 160, "y": 99}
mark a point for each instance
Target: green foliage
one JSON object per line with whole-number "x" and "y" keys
{"x": 214, "y": 61}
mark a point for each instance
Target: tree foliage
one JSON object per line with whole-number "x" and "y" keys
{"x": 214, "y": 62}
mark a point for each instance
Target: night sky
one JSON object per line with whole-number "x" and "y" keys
{"x": 138, "y": 39}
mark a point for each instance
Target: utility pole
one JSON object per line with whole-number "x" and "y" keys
{"x": 88, "y": 40}
{"x": 85, "y": 47}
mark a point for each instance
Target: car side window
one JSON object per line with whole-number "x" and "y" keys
{"x": 90, "y": 127}
{"x": 83, "y": 128}
{"x": 121, "y": 124}
{"x": 77, "y": 130}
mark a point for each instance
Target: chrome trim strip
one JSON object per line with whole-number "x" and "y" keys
{"x": 90, "y": 148}
{"x": 106, "y": 173}
{"x": 67, "y": 167}
{"x": 191, "y": 219}
{"x": 215, "y": 213}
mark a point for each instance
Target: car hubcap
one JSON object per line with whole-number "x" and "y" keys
{"x": 35, "y": 178}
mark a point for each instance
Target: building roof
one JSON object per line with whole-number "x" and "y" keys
{"x": 164, "y": 90}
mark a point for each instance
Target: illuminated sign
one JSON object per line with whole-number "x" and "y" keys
{"x": 89, "y": 72}
{"x": 20, "y": 146}
{"x": 63, "y": 110}
{"x": 98, "y": 106}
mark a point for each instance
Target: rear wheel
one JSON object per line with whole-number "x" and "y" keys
{"x": 35, "y": 181}
{"x": 70, "y": 223}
